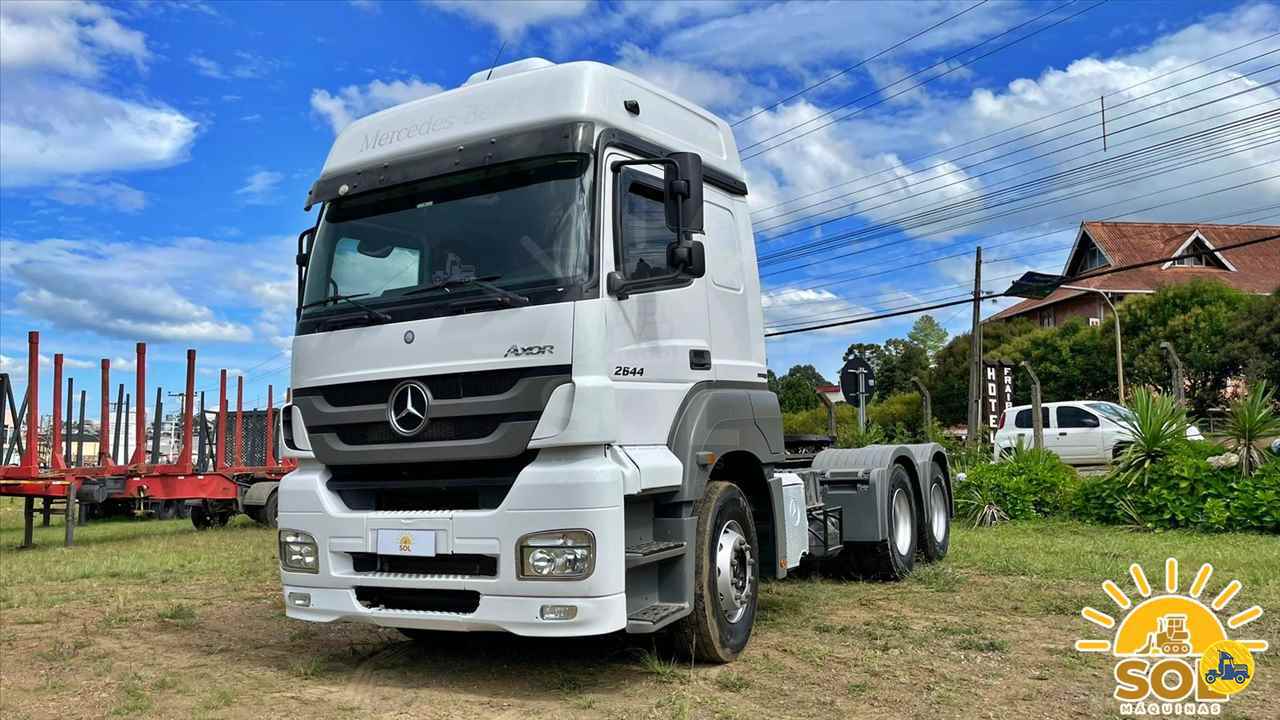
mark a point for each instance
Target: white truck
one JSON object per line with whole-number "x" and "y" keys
{"x": 529, "y": 379}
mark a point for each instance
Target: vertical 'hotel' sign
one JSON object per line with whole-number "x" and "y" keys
{"x": 997, "y": 391}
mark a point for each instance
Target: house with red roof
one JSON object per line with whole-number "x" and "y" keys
{"x": 1103, "y": 245}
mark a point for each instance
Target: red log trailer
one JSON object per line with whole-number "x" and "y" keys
{"x": 213, "y": 488}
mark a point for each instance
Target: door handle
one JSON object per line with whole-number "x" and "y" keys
{"x": 1062, "y": 434}
{"x": 699, "y": 359}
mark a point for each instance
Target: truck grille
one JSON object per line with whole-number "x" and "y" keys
{"x": 450, "y": 601}
{"x": 465, "y": 485}
{"x": 454, "y": 386}
{"x": 485, "y": 415}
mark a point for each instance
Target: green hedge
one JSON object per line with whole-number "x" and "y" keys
{"x": 1184, "y": 491}
{"x": 1030, "y": 484}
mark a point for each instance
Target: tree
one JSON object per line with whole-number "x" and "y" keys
{"x": 949, "y": 379}
{"x": 928, "y": 334}
{"x": 1255, "y": 344}
{"x": 900, "y": 360}
{"x": 1200, "y": 319}
{"x": 797, "y": 389}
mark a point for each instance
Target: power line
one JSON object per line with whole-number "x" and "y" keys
{"x": 1036, "y": 120}
{"x": 860, "y": 63}
{"x": 990, "y": 296}
{"x": 985, "y": 202}
{"x": 1114, "y": 159}
{"x": 917, "y": 85}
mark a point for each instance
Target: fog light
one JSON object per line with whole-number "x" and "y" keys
{"x": 559, "y": 612}
{"x": 298, "y": 552}
{"x": 298, "y": 599}
{"x": 557, "y": 555}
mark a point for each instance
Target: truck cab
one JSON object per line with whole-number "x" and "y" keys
{"x": 529, "y": 373}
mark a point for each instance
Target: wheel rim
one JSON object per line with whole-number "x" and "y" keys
{"x": 938, "y": 501}
{"x": 902, "y": 521}
{"x": 735, "y": 567}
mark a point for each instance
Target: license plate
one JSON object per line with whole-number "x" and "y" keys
{"x": 421, "y": 543}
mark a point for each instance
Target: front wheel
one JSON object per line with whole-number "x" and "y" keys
{"x": 726, "y": 576}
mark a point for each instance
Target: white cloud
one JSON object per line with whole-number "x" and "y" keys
{"x": 356, "y": 101}
{"x": 369, "y": 6}
{"x": 54, "y": 123}
{"x": 260, "y": 187}
{"x": 511, "y": 18}
{"x": 789, "y": 308}
{"x": 207, "y": 67}
{"x": 58, "y": 281}
{"x": 70, "y": 38}
{"x": 116, "y": 195}
{"x": 705, "y": 86}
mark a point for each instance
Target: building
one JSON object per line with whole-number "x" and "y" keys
{"x": 1101, "y": 245}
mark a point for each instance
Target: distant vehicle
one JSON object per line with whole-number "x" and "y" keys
{"x": 1081, "y": 432}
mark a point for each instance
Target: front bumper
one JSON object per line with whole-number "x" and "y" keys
{"x": 567, "y": 488}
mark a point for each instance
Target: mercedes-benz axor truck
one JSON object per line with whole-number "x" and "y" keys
{"x": 529, "y": 381}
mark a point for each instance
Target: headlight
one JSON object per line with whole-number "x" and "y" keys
{"x": 557, "y": 555}
{"x": 298, "y": 552}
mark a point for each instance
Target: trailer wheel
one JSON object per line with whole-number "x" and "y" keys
{"x": 203, "y": 519}
{"x": 935, "y": 530}
{"x": 894, "y": 557}
{"x": 267, "y": 515}
{"x": 168, "y": 510}
{"x": 726, "y": 576}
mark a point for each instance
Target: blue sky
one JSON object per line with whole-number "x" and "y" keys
{"x": 154, "y": 157}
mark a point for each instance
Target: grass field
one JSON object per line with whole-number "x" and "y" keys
{"x": 150, "y": 619}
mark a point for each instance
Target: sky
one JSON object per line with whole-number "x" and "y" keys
{"x": 155, "y": 156}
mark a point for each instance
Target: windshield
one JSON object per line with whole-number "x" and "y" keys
{"x": 520, "y": 226}
{"x": 1113, "y": 412}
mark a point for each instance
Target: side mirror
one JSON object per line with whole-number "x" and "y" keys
{"x": 683, "y": 176}
{"x": 302, "y": 259}
{"x": 689, "y": 257}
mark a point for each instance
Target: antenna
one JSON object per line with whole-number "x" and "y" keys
{"x": 496, "y": 55}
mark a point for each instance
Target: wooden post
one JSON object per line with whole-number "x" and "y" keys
{"x": 1037, "y": 422}
{"x": 975, "y": 355}
{"x": 926, "y": 405}
{"x": 831, "y": 414}
{"x": 1175, "y": 367}
{"x": 28, "y": 521}
{"x": 69, "y": 518}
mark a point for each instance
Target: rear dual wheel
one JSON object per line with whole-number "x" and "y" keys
{"x": 935, "y": 531}
{"x": 894, "y": 557}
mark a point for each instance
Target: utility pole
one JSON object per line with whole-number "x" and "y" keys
{"x": 975, "y": 354}
{"x": 926, "y": 403}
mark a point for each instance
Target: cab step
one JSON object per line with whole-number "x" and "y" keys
{"x": 655, "y": 617}
{"x": 652, "y": 552}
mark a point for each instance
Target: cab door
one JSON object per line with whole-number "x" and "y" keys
{"x": 659, "y": 339}
{"x": 1077, "y": 434}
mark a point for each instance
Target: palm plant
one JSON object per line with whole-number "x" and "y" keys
{"x": 1157, "y": 425}
{"x": 1251, "y": 418}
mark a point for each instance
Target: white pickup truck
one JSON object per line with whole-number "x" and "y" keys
{"x": 1081, "y": 432}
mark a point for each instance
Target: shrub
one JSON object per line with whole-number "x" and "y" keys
{"x": 1158, "y": 426}
{"x": 1031, "y": 483}
{"x": 1185, "y": 491}
{"x": 901, "y": 411}
{"x": 1250, "y": 419}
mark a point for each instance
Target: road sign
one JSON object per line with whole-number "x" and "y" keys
{"x": 857, "y": 381}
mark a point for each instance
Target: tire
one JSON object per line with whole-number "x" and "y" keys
{"x": 717, "y": 631}
{"x": 935, "y": 529}
{"x": 268, "y": 514}
{"x": 168, "y": 510}
{"x": 200, "y": 518}
{"x": 894, "y": 557}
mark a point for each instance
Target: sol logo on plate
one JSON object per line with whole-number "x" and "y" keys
{"x": 406, "y": 543}
{"x": 1173, "y": 656}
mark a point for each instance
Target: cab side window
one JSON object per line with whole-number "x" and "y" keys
{"x": 1074, "y": 417}
{"x": 642, "y": 224}
{"x": 1023, "y": 418}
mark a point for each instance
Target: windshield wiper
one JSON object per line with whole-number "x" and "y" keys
{"x": 369, "y": 313}
{"x": 481, "y": 282}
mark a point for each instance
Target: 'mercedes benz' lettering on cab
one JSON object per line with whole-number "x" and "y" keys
{"x": 624, "y": 471}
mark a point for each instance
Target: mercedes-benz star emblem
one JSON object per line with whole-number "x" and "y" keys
{"x": 408, "y": 408}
